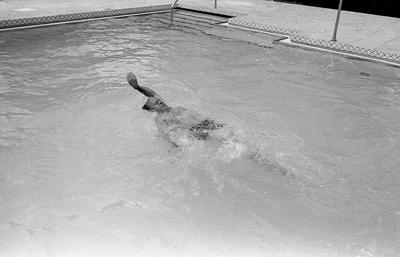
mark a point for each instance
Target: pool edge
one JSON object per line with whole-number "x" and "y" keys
{"x": 293, "y": 37}
{"x": 21, "y": 23}
{"x": 289, "y": 36}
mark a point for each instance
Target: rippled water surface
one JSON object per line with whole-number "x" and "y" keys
{"x": 84, "y": 171}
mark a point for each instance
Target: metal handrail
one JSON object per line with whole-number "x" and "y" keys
{"x": 337, "y": 20}
{"x": 172, "y": 10}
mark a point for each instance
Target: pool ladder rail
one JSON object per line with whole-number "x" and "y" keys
{"x": 174, "y": 5}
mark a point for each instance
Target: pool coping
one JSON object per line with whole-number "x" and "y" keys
{"x": 237, "y": 20}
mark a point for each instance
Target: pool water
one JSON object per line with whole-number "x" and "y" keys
{"x": 84, "y": 171}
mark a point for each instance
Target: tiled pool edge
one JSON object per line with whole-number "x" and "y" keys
{"x": 293, "y": 37}
{"x": 289, "y": 36}
{"x": 104, "y": 14}
{"x": 77, "y": 17}
{"x": 218, "y": 11}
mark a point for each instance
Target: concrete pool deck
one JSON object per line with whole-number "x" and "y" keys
{"x": 363, "y": 30}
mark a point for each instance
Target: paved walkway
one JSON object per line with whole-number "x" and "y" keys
{"x": 364, "y": 30}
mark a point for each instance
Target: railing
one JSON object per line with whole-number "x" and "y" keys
{"x": 172, "y": 11}
{"x": 337, "y": 21}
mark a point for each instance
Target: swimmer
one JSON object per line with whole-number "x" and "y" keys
{"x": 173, "y": 121}
{"x": 178, "y": 124}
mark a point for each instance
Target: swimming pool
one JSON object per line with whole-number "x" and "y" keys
{"x": 84, "y": 172}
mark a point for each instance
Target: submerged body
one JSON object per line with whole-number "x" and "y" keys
{"x": 182, "y": 120}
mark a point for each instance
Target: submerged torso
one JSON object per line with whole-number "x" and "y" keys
{"x": 183, "y": 123}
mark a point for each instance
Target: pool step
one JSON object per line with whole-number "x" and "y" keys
{"x": 259, "y": 39}
{"x": 188, "y": 19}
{"x": 200, "y": 23}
